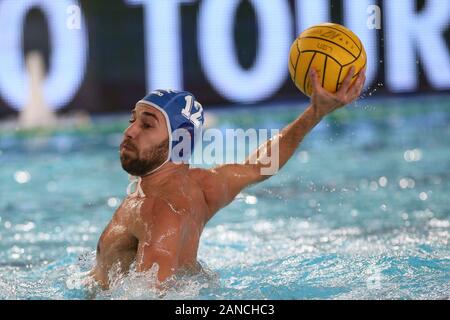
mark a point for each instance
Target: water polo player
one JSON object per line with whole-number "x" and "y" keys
{"x": 168, "y": 203}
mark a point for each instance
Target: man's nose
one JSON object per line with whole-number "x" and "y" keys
{"x": 132, "y": 131}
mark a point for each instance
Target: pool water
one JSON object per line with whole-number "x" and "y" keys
{"x": 362, "y": 211}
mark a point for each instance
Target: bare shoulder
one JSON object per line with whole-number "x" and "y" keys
{"x": 212, "y": 185}
{"x": 179, "y": 198}
{"x": 156, "y": 206}
{"x": 206, "y": 178}
{"x": 157, "y": 213}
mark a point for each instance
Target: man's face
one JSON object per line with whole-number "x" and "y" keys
{"x": 145, "y": 144}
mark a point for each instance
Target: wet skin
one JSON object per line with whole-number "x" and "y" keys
{"x": 164, "y": 226}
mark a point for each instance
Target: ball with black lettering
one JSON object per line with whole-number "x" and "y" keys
{"x": 331, "y": 49}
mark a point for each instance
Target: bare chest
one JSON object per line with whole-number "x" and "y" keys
{"x": 119, "y": 240}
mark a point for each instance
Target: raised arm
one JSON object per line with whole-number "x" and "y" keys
{"x": 228, "y": 180}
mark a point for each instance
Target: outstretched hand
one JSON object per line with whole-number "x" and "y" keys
{"x": 325, "y": 102}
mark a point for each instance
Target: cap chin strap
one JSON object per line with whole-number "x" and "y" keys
{"x": 138, "y": 192}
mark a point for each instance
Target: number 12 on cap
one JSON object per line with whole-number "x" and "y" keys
{"x": 187, "y": 111}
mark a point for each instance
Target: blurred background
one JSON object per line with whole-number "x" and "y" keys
{"x": 101, "y": 56}
{"x": 361, "y": 211}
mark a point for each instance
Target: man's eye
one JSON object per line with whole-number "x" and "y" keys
{"x": 146, "y": 126}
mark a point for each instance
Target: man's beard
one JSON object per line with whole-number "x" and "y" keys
{"x": 152, "y": 159}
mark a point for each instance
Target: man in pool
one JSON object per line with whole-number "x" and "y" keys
{"x": 162, "y": 220}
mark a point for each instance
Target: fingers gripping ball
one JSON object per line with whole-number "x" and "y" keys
{"x": 331, "y": 49}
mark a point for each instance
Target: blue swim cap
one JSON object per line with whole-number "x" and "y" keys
{"x": 182, "y": 111}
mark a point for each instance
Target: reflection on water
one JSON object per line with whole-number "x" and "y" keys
{"x": 361, "y": 211}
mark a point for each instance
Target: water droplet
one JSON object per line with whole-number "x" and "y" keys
{"x": 22, "y": 177}
{"x": 412, "y": 155}
{"x": 382, "y": 181}
{"x": 251, "y": 199}
{"x": 406, "y": 183}
{"x": 423, "y": 196}
{"x": 113, "y": 202}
